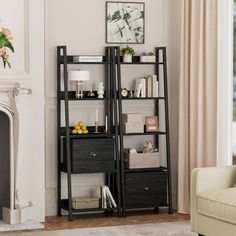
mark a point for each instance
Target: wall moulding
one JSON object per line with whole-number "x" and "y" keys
{"x": 20, "y": 27}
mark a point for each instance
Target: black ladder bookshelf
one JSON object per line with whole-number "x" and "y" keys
{"x": 137, "y": 191}
{"x": 72, "y": 163}
{"x": 131, "y": 188}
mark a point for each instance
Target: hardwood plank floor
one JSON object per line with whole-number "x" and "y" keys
{"x": 86, "y": 221}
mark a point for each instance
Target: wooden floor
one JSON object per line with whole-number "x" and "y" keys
{"x": 85, "y": 221}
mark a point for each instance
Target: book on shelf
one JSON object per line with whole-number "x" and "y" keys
{"x": 110, "y": 197}
{"x": 87, "y": 58}
{"x": 155, "y": 86}
{"x": 152, "y": 86}
{"x": 137, "y": 88}
{"x": 143, "y": 89}
{"x": 107, "y": 200}
{"x": 146, "y": 87}
{"x": 149, "y": 86}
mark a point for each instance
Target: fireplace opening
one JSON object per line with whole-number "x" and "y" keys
{"x": 5, "y": 160}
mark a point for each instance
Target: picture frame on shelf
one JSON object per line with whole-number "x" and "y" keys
{"x": 125, "y": 22}
{"x": 151, "y": 123}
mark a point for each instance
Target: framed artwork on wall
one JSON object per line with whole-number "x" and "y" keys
{"x": 125, "y": 22}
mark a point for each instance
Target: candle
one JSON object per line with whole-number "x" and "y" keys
{"x": 106, "y": 125}
{"x": 96, "y": 118}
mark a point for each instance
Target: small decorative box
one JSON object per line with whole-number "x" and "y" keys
{"x": 142, "y": 160}
{"x": 147, "y": 58}
{"x": 85, "y": 202}
{"x": 132, "y": 118}
{"x": 133, "y": 128}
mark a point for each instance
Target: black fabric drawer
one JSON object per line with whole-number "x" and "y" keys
{"x": 146, "y": 189}
{"x": 90, "y": 155}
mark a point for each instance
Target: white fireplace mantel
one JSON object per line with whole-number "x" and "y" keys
{"x": 14, "y": 103}
{"x": 14, "y": 87}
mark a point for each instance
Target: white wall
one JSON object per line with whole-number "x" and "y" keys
{"x": 81, "y": 26}
{"x": 26, "y": 20}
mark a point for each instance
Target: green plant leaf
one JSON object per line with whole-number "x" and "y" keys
{"x": 127, "y": 50}
{"x": 3, "y": 39}
{"x": 9, "y": 45}
{"x": 151, "y": 54}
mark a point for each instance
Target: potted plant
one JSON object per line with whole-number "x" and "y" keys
{"x": 147, "y": 57}
{"x": 127, "y": 53}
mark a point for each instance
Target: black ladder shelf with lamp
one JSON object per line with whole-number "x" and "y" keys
{"x": 78, "y": 149}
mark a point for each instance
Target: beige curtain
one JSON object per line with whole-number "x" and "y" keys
{"x": 197, "y": 142}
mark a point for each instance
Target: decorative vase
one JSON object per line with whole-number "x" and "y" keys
{"x": 127, "y": 58}
{"x": 100, "y": 90}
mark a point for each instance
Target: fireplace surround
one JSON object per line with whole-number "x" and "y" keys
{"x": 13, "y": 198}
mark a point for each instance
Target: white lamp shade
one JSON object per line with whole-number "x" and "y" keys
{"x": 78, "y": 75}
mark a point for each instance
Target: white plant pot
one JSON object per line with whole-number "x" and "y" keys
{"x": 127, "y": 58}
{"x": 147, "y": 58}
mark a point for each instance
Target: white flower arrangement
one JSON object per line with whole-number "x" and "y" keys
{"x": 5, "y": 43}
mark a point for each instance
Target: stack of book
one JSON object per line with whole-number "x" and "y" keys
{"x": 87, "y": 58}
{"x": 107, "y": 200}
{"x": 146, "y": 87}
{"x": 133, "y": 123}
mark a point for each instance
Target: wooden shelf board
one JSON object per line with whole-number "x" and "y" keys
{"x": 65, "y": 207}
{"x": 90, "y": 172}
{"x": 144, "y": 208}
{"x": 141, "y": 63}
{"x": 136, "y": 61}
{"x": 156, "y": 169}
{"x": 147, "y": 133}
{"x": 91, "y": 133}
{"x": 71, "y": 96}
{"x": 146, "y": 98}
{"x": 78, "y": 136}
{"x": 70, "y": 61}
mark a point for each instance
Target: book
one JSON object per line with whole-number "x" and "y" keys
{"x": 157, "y": 89}
{"x": 107, "y": 200}
{"x": 87, "y": 58}
{"x": 143, "y": 88}
{"x": 154, "y": 84}
{"x": 109, "y": 203}
{"x": 149, "y": 87}
{"x": 103, "y": 197}
{"x": 110, "y": 197}
{"x": 138, "y": 88}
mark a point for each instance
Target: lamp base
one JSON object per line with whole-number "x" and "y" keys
{"x": 79, "y": 89}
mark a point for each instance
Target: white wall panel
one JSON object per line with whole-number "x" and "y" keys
{"x": 81, "y": 26}
{"x": 16, "y": 18}
{"x": 26, "y": 21}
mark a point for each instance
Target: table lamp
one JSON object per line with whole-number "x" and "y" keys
{"x": 79, "y": 76}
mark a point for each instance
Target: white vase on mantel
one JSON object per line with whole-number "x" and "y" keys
{"x": 127, "y": 58}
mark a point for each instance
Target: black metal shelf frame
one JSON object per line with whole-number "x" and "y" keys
{"x": 113, "y": 177}
{"x": 160, "y": 54}
{"x": 113, "y": 103}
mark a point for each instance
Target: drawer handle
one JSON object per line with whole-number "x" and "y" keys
{"x": 93, "y": 154}
{"x": 146, "y": 188}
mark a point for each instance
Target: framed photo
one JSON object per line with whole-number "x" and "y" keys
{"x": 125, "y": 22}
{"x": 151, "y": 123}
